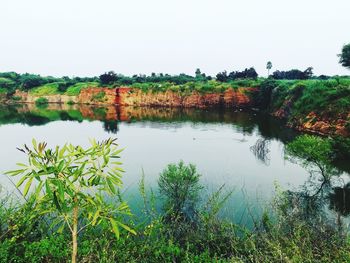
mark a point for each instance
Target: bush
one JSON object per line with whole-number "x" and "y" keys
{"x": 62, "y": 87}
{"x": 16, "y": 98}
{"x": 41, "y": 102}
{"x": 179, "y": 185}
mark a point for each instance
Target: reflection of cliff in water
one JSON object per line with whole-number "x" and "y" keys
{"x": 242, "y": 121}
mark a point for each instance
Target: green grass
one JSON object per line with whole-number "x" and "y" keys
{"x": 47, "y": 89}
{"x": 3, "y": 91}
{"x": 76, "y": 88}
{"x": 52, "y": 89}
{"x": 211, "y": 86}
{"x": 330, "y": 96}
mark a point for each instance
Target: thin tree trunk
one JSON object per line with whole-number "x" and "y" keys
{"x": 75, "y": 232}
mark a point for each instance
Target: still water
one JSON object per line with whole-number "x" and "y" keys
{"x": 242, "y": 150}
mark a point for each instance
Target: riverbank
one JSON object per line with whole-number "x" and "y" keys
{"x": 316, "y": 106}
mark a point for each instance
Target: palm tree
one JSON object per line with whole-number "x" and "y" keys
{"x": 268, "y": 67}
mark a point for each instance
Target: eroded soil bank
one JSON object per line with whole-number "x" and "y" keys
{"x": 238, "y": 98}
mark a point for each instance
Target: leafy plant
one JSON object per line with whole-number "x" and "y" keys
{"x": 179, "y": 185}
{"x": 71, "y": 184}
{"x": 16, "y": 98}
{"x": 41, "y": 102}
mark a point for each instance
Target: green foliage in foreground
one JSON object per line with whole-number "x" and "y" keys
{"x": 71, "y": 184}
{"x": 188, "y": 229}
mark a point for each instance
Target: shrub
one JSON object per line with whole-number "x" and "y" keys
{"x": 41, "y": 102}
{"x": 62, "y": 87}
{"x": 179, "y": 184}
{"x": 16, "y": 98}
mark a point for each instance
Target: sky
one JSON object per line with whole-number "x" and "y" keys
{"x": 89, "y": 37}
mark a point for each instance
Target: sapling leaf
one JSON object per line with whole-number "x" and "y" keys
{"x": 48, "y": 188}
{"x": 20, "y": 182}
{"x": 127, "y": 228}
{"x": 34, "y": 144}
{"x": 111, "y": 185}
{"x": 115, "y": 227}
{"x": 15, "y": 172}
{"x": 27, "y": 186}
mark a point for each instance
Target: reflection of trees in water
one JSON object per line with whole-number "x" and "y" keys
{"x": 310, "y": 202}
{"x": 325, "y": 187}
{"x": 261, "y": 150}
{"x": 300, "y": 205}
{"x": 314, "y": 206}
{"x": 339, "y": 199}
{"x": 111, "y": 126}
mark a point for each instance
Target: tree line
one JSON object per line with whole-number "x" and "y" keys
{"x": 12, "y": 80}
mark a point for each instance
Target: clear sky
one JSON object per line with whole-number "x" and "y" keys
{"x": 88, "y": 37}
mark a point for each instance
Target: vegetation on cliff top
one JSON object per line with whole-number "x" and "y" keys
{"x": 331, "y": 96}
{"x": 293, "y": 94}
{"x": 39, "y": 85}
{"x": 298, "y": 101}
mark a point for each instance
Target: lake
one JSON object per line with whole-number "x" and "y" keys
{"x": 242, "y": 150}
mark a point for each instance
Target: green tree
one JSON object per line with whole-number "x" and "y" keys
{"x": 108, "y": 77}
{"x": 313, "y": 153}
{"x": 198, "y": 73}
{"x": 71, "y": 183}
{"x": 344, "y": 57}
{"x": 268, "y": 67}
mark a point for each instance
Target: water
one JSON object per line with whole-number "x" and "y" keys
{"x": 243, "y": 150}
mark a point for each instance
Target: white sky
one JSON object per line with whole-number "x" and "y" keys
{"x": 88, "y": 37}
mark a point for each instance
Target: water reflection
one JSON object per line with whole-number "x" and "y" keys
{"x": 321, "y": 199}
{"x": 339, "y": 199}
{"x": 314, "y": 199}
{"x": 245, "y": 122}
{"x": 261, "y": 150}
